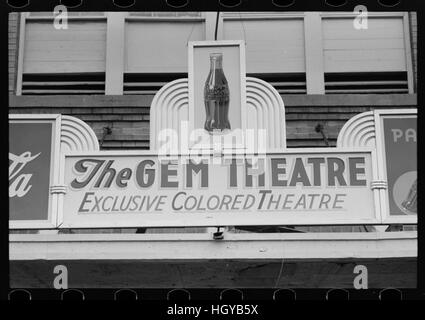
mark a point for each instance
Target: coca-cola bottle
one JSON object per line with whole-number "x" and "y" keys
{"x": 216, "y": 96}
{"x": 410, "y": 203}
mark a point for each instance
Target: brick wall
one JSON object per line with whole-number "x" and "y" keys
{"x": 13, "y": 27}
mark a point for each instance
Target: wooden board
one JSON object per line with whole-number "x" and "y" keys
{"x": 271, "y": 45}
{"x": 151, "y": 47}
{"x": 385, "y": 273}
{"x": 80, "y": 48}
{"x": 378, "y": 48}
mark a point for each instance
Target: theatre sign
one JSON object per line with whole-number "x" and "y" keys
{"x": 292, "y": 187}
{"x": 70, "y": 183}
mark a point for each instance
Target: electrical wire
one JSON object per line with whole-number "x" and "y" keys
{"x": 243, "y": 26}
{"x": 216, "y": 26}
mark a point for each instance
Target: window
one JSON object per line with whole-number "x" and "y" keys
{"x": 64, "y": 61}
{"x": 156, "y": 49}
{"x": 323, "y": 53}
{"x": 372, "y": 60}
{"x": 275, "y": 47}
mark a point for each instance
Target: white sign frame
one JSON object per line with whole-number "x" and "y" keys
{"x": 211, "y": 219}
{"x": 221, "y": 43}
{"x": 379, "y": 116}
{"x": 54, "y": 206}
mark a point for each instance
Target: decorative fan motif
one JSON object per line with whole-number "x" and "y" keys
{"x": 265, "y": 110}
{"x": 76, "y": 135}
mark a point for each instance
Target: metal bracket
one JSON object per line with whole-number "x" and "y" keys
{"x": 58, "y": 189}
{"x": 218, "y": 235}
{"x": 379, "y": 184}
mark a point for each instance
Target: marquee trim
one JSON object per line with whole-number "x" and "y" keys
{"x": 264, "y": 105}
{"x": 77, "y": 135}
{"x": 358, "y": 132}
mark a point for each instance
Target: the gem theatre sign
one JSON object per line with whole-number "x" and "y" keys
{"x": 140, "y": 189}
{"x": 70, "y": 183}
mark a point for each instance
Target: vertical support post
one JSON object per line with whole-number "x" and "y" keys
{"x": 408, "y": 52}
{"x": 210, "y": 22}
{"x": 21, "y": 44}
{"x": 115, "y": 37}
{"x": 314, "y": 62}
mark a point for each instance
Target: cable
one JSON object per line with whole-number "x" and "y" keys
{"x": 281, "y": 268}
{"x": 191, "y": 31}
{"x": 216, "y": 26}
{"x": 280, "y": 273}
{"x": 243, "y": 26}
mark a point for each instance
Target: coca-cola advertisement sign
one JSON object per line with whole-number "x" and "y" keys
{"x": 30, "y": 161}
{"x": 401, "y": 163}
{"x": 217, "y": 91}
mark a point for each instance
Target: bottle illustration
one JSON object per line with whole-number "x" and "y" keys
{"x": 216, "y": 97}
{"x": 410, "y": 203}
